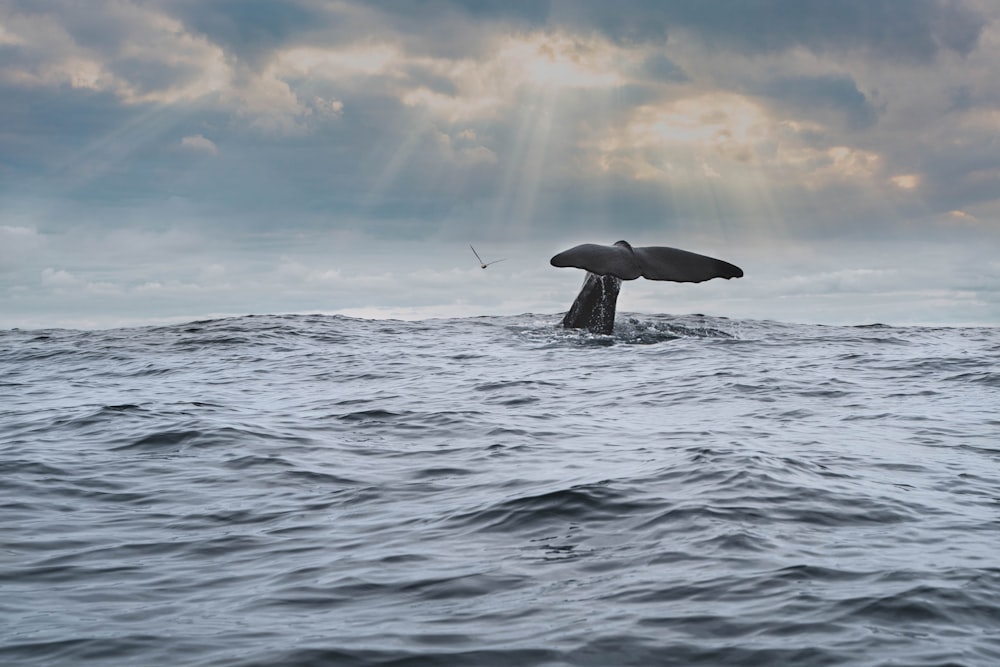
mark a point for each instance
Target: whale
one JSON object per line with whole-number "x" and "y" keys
{"x": 607, "y": 266}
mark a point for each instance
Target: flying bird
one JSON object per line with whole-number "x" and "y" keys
{"x": 483, "y": 264}
{"x": 608, "y": 266}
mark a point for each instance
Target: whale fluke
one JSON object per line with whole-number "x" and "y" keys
{"x": 651, "y": 262}
{"x": 607, "y": 266}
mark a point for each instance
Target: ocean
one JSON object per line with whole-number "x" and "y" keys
{"x": 323, "y": 490}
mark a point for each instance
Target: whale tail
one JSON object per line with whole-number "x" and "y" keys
{"x": 608, "y": 266}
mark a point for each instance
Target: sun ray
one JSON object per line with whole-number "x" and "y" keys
{"x": 526, "y": 172}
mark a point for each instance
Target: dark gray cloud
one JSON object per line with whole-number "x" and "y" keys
{"x": 148, "y": 75}
{"x": 249, "y": 30}
{"x": 658, "y": 67}
{"x": 97, "y": 25}
{"x": 44, "y": 128}
{"x": 914, "y": 30}
{"x": 959, "y": 178}
{"x": 822, "y": 96}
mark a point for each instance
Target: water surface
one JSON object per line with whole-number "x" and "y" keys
{"x": 317, "y": 490}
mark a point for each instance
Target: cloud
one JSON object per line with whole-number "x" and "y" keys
{"x": 658, "y": 67}
{"x": 962, "y": 216}
{"x": 813, "y": 96}
{"x": 59, "y": 278}
{"x": 17, "y": 245}
{"x": 199, "y": 144}
{"x": 905, "y": 181}
{"x": 917, "y": 32}
{"x": 249, "y": 30}
{"x": 135, "y": 52}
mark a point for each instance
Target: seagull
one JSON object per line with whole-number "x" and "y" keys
{"x": 483, "y": 264}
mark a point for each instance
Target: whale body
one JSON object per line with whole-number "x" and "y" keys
{"x": 608, "y": 266}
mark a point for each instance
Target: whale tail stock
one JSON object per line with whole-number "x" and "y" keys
{"x": 594, "y": 307}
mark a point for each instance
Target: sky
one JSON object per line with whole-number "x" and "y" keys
{"x": 170, "y": 160}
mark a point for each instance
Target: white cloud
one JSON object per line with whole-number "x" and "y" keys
{"x": 59, "y": 278}
{"x": 330, "y": 108}
{"x": 50, "y": 55}
{"x": 18, "y": 245}
{"x": 199, "y": 144}
{"x": 906, "y": 181}
{"x": 961, "y": 216}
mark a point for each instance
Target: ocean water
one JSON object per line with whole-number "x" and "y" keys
{"x": 321, "y": 490}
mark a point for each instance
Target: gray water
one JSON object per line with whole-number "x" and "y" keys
{"x": 317, "y": 490}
